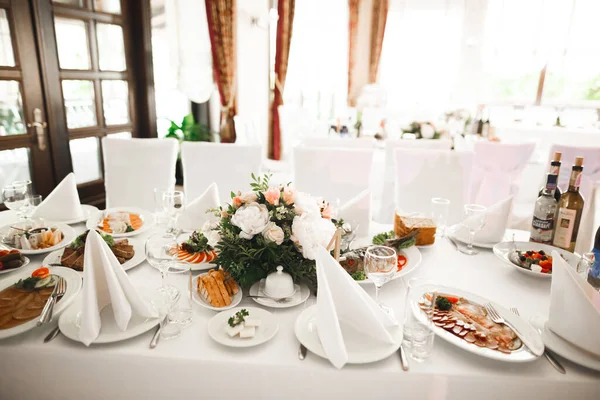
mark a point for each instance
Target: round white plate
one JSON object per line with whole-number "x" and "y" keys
{"x": 359, "y": 351}
{"x": 73, "y": 286}
{"x": 194, "y": 267}
{"x": 413, "y": 260}
{"x": 68, "y": 236}
{"x": 109, "y": 331}
{"x": 520, "y": 355}
{"x": 301, "y": 293}
{"x": 88, "y": 211}
{"x": 235, "y": 300}
{"x": 137, "y": 259}
{"x": 505, "y": 252}
{"x": 267, "y": 329}
{"x": 462, "y": 237}
{"x": 568, "y": 350}
{"x": 147, "y": 220}
{"x": 26, "y": 262}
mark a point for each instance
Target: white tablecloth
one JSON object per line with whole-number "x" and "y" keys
{"x": 194, "y": 366}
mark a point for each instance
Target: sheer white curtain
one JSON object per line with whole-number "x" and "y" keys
{"x": 317, "y": 77}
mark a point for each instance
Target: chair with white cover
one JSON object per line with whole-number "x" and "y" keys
{"x": 384, "y": 188}
{"x": 296, "y": 123}
{"x": 246, "y": 132}
{"x": 134, "y": 167}
{"x": 227, "y": 164}
{"x": 497, "y": 168}
{"x": 346, "y": 143}
{"x": 424, "y": 174}
{"x": 332, "y": 173}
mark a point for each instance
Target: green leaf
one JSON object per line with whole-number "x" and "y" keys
{"x": 232, "y": 194}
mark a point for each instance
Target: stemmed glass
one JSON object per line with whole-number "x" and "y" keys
{"x": 474, "y": 222}
{"x": 15, "y": 197}
{"x": 161, "y": 250}
{"x": 439, "y": 213}
{"x": 381, "y": 263}
{"x": 31, "y": 204}
{"x": 173, "y": 203}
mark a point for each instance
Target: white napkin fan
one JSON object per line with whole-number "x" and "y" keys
{"x": 358, "y": 209}
{"x": 62, "y": 204}
{"x": 194, "y": 215}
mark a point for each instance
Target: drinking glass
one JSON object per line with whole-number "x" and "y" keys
{"x": 180, "y": 276}
{"x": 161, "y": 252}
{"x": 381, "y": 263}
{"x": 417, "y": 335}
{"x": 173, "y": 202}
{"x": 349, "y": 227}
{"x": 585, "y": 264}
{"x": 439, "y": 213}
{"x": 474, "y": 221}
{"x": 14, "y": 197}
{"x": 27, "y": 184}
{"x": 31, "y": 204}
{"x": 160, "y": 216}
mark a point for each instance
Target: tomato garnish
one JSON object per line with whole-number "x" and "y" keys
{"x": 14, "y": 251}
{"x": 41, "y": 273}
{"x": 401, "y": 261}
{"x": 452, "y": 300}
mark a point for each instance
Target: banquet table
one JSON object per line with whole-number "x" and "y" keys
{"x": 194, "y": 366}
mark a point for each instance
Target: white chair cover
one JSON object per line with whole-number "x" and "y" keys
{"x": 332, "y": 173}
{"x": 134, "y": 167}
{"x": 246, "y": 132}
{"x": 297, "y": 123}
{"x": 229, "y": 165}
{"x": 424, "y": 174}
{"x": 346, "y": 143}
{"x": 384, "y": 192}
{"x": 496, "y": 169}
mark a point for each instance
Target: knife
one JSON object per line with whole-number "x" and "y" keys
{"x": 403, "y": 359}
{"x": 54, "y": 333}
{"x": 302, "y": 352}
{"x": 156, "y": 336}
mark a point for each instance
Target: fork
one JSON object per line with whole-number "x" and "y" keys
{"x": 551, "y": 359}
{"x": 497, "y": 318}
{"x": 59, "y": 291}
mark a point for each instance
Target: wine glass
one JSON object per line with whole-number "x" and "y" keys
{"x": 31, "y": 204}
{"x": 173, "y": 203}
{"x": 381, "y": 263}
{"x": 161, "y": 250}
{"x": 474, "y": 221}
{"x": 14, "y": 197}
{"x": 439, "y": 213}
{"x": 160, "y": 216}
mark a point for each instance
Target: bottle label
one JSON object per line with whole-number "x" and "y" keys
{"x": 578, "y": 180}
{"x": 575, "y": 179}
{"x": 564, "y": 228}
{"x": 595, "y": 270}
{"x": 554, "y": 169}
{"x": 542, "y": 230}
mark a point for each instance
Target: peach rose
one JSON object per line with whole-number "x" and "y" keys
{"x": 327, "y": 211}
{"x": 288, "y": 195}
{"x": 224, "y": 214}
{"x": 272, "y": 196}
{"x": 236, "y": 201}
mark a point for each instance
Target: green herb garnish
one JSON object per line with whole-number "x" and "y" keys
{"x": 129, "y": 228}
{"x": 197, "y": 243}
{"x": 238, "y": 318}
{"x": 359, "y": 276}
{"x": 27, "y": 283}
{"x": 443, "y": 303}
{"x": 380, "y": 238}
{"x": 80, "y": 240}
{"x": 390, "y": 239}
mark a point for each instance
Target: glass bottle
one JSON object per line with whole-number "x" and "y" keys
{"x": 570, "y": 209}
{"x": 544, "y": 213}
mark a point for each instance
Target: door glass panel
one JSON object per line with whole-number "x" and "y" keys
{"x": 85, "y": 156}
{"x": 72, "y": 43}
{"x": 11, "y": 109}
{"x": 7, "y": 57}
{"x": 76, "y": 3}
{"x": 109, "y": 6}
{"x": 115, "y": 102}
{"x": 14, "y": 166}
{"x": 121, "y": 135}
{"x": 110, "y": 47}
{"x": 80, "y": 105}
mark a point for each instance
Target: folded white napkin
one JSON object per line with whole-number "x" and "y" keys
{"x": 358, "y": 209}
{"x": 496, "y": 219}
{"x": 574, "y": 307}
{"x": 342, "y": 305}
{"x": 62, "y": 204}
{"x": 194, "y": 215}
{"x": 105, "y": 282}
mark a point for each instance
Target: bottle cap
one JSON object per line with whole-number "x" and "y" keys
{"x": 579, "y": 161}
{"x": 557, "y": 155}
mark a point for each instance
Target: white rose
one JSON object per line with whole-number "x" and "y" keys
{"x": 209, "y": 226}
{"x": 213, "y": 238}
{"x": 305, "y": 203}
{"x": 273, "y": 233}
{"x": 251, "y": 218}
{"x": 309, "y": 233}
{"x": 249, "y": 197}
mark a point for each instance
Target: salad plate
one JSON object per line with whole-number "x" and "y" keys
{"x": 48, "y": 240}
{"x": 359, "y": 352}
{"x": 512, "y": 253}
{"x": 217, "y": 328}
{"x": 73, "y": 281}
{"x": 412, "y": 257}
{"x": 88, "y": 211}
{"x": 191, "y": 257}
{"x": 121, "y": 221}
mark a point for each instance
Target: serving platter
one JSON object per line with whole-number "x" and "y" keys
{"x": 68, "y": 236}
{"x": 505, "y": 251}
{"x": 146, "y": 217}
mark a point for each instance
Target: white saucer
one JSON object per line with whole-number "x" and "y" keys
{"x": 569, "y": 351}
{"x": 267, "y": 329}
{"x": 235, "y": 300}
{"x": 301, "y": 293}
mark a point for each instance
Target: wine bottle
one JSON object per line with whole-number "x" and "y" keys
{"x": 554, "y": 170}
{"x": 544, "y": 213}
{"x": 570, "y": 208}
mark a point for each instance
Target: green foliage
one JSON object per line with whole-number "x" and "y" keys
{"x": 189, "y": 130}
{"x": 197, "y": 243}
{"x": 260, "y": 183}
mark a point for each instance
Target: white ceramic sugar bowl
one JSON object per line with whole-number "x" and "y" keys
{"x": 279, "y": 284}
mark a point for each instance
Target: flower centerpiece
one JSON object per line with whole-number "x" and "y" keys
{"x": 267, "y": 227}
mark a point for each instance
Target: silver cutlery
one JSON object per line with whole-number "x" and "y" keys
{"x": 156, "y": 336}
{"x": 278, "y": 300}
{"x": 551, "y": 359}
{"x": 59, "y": 291}
{"x": 403, "y": 359}
{"x": 54, "y": 333}
{"x": 497, "y": 318}
{"x": 302, "y": 352}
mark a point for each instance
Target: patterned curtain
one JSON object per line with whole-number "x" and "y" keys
{"x": 353, "y": 6}
{"x": 221, "y": 28}
{"x": 285, "y": 9}
{"x": 378, "y": 19}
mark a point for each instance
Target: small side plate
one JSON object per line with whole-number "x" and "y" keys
{"x": 266, "y": 331}
{"x": 235, "y": 300}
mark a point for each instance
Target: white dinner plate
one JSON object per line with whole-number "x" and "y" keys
{"x": 463, "y": 236}
{"x": 267, "y": 329}
{"x": 68, "y": 236}
{"x": 235, "y": 300}
{"x": 137, "y": 259}
{"x": 146, "y": 216}
{"x": 359, "y": 351}
{"x": 26, "y": 262}
{"x": 88, "y": 211}
{"x": 522, "y": 354}
{"x": 109, "y": 331}
{"x": 301, "y": 293}
{"x": 506, "y": 252}
{"x": 413, "y": 260}
{"x": 73, "y": 286}
{"x": 568, "y": 350}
